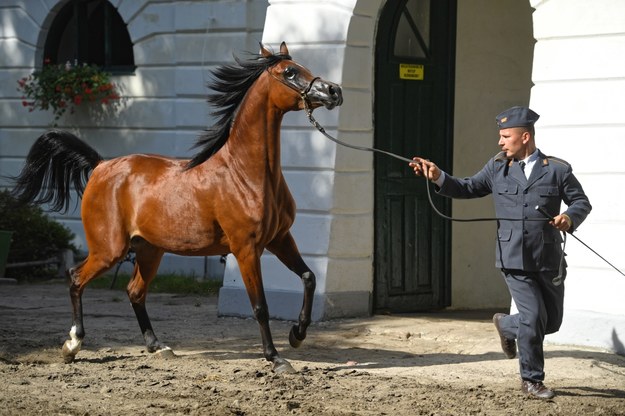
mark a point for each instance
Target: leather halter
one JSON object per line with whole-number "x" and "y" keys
{"x": 303, "y": 94}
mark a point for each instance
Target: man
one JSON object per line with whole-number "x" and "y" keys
{"x": 529, "y": 250}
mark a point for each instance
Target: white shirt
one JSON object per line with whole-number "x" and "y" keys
{"x": 530, "y": 161}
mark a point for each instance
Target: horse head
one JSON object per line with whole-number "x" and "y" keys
{"x": 303, "y": 90}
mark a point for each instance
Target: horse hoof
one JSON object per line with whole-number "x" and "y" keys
{"x": 282, "y": 366}
{"x": 68, "y": 355}
{"x": 165, "y": 353}
{"x": 293, "y": 340}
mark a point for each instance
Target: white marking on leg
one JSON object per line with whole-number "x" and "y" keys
{"x": 73, "y": 344}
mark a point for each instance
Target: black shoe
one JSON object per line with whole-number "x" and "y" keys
{"x": 536, "y": 389}
{"x": 507, "y": 345}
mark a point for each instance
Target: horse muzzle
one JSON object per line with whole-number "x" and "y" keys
{"x": 325, "y": 93}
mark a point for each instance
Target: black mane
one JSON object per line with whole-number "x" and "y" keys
{"x": 231, "y": 83}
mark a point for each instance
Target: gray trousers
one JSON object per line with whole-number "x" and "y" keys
{"x": 540, "y": 305}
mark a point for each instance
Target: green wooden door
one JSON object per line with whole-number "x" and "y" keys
{"x": 414, "y": 81}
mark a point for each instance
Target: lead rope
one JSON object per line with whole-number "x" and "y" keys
{"x": 556, "y": 280}
{"x": 372, "y": 149}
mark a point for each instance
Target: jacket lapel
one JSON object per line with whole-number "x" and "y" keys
{"x": 515, "y": 172}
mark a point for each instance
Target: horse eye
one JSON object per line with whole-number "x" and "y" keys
{"x": 290, "y": 73}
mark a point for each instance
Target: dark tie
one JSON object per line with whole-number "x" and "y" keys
{"x": 522, "y": 164}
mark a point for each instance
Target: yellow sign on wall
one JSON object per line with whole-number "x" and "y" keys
{"x": 411, "y": 71}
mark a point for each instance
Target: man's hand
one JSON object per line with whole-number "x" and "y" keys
{"x": 562, "y": 222}
{"x": 423, "y": 167}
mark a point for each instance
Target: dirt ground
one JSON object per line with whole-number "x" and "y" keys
{"x": 447, "y": 363}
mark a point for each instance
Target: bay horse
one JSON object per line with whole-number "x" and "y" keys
{"x": 230, "y": 197}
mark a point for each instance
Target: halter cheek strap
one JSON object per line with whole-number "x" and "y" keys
{"x": 303, "y": 94}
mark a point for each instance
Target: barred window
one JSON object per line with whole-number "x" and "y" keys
{"x": 91, "y": 32}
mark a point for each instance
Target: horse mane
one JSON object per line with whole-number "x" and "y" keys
{"x": 231, "y": 83}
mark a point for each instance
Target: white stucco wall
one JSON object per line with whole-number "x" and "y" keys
{"x": 493, "y": 72}
{"x": 578, "y": 72}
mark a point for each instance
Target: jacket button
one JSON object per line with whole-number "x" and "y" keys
{"x": 525, "y": 205}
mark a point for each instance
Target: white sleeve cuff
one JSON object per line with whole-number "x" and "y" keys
{"x": 440, "y": 180}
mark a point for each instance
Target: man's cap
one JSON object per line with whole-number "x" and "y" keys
{"x": 516, "y": 117}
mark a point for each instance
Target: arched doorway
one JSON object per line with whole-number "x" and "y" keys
{"x": 414, "y": 79}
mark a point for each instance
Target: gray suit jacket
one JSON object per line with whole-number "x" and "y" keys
{"x": 525, "y": 245}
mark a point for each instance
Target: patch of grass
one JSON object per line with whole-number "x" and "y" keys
{"x": 166, "y": 283}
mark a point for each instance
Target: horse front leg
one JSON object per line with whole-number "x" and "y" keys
{"x": 298, "y": 332}
{"x": 286, "y": 251}
{"x": 249, "y": 264}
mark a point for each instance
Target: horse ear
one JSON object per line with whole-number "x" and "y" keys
{"x": 264, "y": 51}
{"x": 283, "y": 49}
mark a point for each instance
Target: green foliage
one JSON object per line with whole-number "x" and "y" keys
{"x": 35, "y": 237}
{"x": 63, "y": 87}
{"x": 170, "y": 283}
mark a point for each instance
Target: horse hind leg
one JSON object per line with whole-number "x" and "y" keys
{"x": 79, "y": 277}
{"x": 147, "y": 261}
{"x": 77, "y": 331}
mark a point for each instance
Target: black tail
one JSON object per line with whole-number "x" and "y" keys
{"x": 56, "y": 160}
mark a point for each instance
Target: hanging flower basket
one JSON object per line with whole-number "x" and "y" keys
{"x": 64, "y": 87}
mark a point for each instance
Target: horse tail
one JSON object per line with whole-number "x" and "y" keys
{"x": 56, "y": 160}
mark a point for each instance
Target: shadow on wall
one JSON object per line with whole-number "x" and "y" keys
{"x": 617, "y": 344}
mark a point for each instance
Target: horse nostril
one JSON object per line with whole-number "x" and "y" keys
{"x": 334, "y": 91}
{"x": 337, "y": 93}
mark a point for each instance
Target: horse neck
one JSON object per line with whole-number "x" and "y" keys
{"x": 255, "y": 134}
